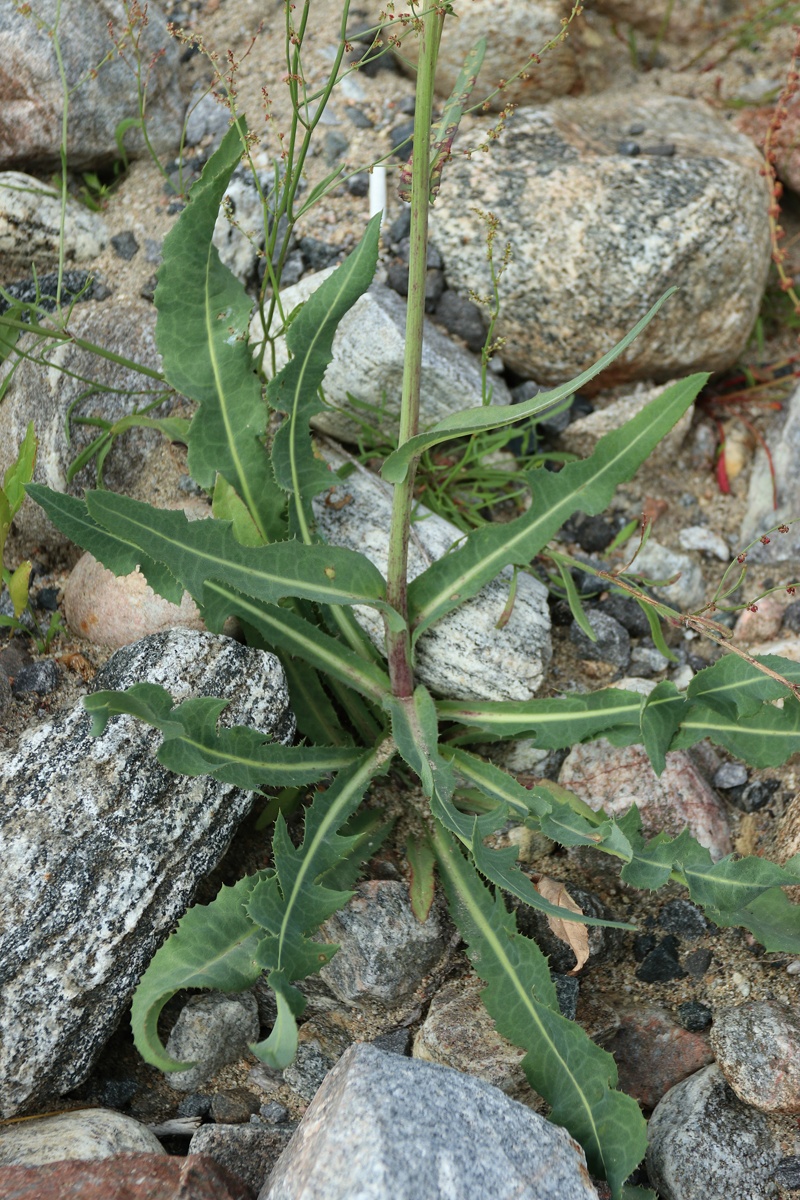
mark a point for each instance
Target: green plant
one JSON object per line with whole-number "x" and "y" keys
{"x": 12, "y": 495}
{"x": 359, "y": 709}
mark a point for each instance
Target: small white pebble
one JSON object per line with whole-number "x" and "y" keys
{"x": 793, "y": 968}
{"x": 683, "y": 677}
{"x": 742, "y": 986}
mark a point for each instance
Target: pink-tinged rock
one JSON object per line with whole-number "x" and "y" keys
{"x": 764, "y": 623}
{"x": 652, "y": 1053}
{"x": 757, "y": 1047}
{"x": 115, "y": 610}
{"x": 127, "y": 1177}
{"x": 754, "y": 122}
{"x": 615, "y": 777}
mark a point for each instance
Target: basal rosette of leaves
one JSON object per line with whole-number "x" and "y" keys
{"x": 261, "y": 561}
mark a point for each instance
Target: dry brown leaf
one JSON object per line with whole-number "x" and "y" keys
{"x": 575, "y": 935}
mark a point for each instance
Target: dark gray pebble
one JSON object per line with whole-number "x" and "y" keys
{"x": 628, "y": 149}
{"x": 400, "y": 227}
{"x": 40, "y": 677}
{"x": 697, "y": 962}
{"x": 787, "y": 1173}
{"x": 636, "y": 128}
{"x": 613, "y": 643}
{"x": 594, "y": 534}
{"x": 396, "y": 1041}
{"x": 273, "y": 1113}
{"x": 125, "y": 245}
{"x": 233, "y": 1106}
{"x": 683, "y": 918}
{"x": 660, "y": 150}
{"x": 359, "y": 118}
{"x": 627, "y": 612}
{"x": 318, "y": 254}
{"x": 567, "y": 992}
{"x": 694, "y": 1016}
{"x": 46, "y": 599}
{"x": 462, "y": 318}
{"x": 194, "y": 1105}
{"x": 401, "y": 138}
{"x": 358, "y": 185}
{"x": 755, "y": 795}
{"x": 661, "y": 964}
{"x": 791, "y": 617}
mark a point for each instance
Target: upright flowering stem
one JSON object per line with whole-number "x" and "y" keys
{"x": 398, "y": 644}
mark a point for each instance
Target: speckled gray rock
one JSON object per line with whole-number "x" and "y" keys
{"x": 368, "y": 351}
{"x": 239, "y": 239}
{"x": 43, "y": 392}
{"x": 464, "y": 655}
{"x": 657, "y": 562}
{"x": 625, "y": 228}
{"x": 703, "y": 1142}
{"x": 458, "y": 1032}
{"x": 30, "y": 224}
{"x": 517, "y": 30}
{"x": 677, "y": 22}
{"x": 101, "y": 93}
{"x": 757, "y": 1047}
{"x": 614, "y": 777}
{"x": 83, "y": 1134}
{"x": 387, "y": 1128}
{"x": 102, "y": 852}
{"x": 384, "y": 951}
{"x": 5, "y": 694}
{"x": 212, "y": 1030}
{"x": 249, "y": 1151}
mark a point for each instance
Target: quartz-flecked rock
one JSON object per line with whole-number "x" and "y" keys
{"x": 30, "y": 224}
{"x": 464, "y": 655}
{"x": 702, "y": 1141}
{"x": 384, "y": 951}
{"x": 368, "y": 355}
{"x": 388, "y": 1128}
{"x": 103, "y": 85}
{"x": 598, "y": 236}
{"x": 43, "y": 392}
{"x": 783, "y": 439}
{"x": 102, "y": 852}
{"x": 757, "y": 1047}
{"x": 677, "y": 22}
{"x": 83, "y": 1134}
{"x": 212, "y": 1029}
{"x": 615, "y": 777}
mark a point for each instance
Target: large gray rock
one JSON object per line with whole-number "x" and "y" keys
{"x": 368, "y": 355}
{"x": 387, "y": 1128}
{"x": 464, "y": 655}
{"x": 102, "y": 852}
{"x": 103, "y": 86}
{"x": 83, "y": 1134}
{"x": 44, "y": 387}
{"x": 677, "y": 22}
{"x": 704, "y": 1142}
{"x": 598, "y": 236}
{"x": 31, "y": 229}
{"x": 517, "y": 31}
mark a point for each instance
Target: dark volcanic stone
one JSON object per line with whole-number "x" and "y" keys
{"x": 694, "y": 1016}
{"x": 698, "y": 962}
{"x": 661, "y": 964}
{"x": 40, "y": 677}
{"x": 461, "y": 317}
{"x": 683, "y": 918}
{"x": 125, "y": 245}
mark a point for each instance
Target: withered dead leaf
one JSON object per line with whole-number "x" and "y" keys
{"x": 574, "y": 934}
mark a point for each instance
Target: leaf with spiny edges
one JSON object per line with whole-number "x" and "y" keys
{"x": 662, "y": 713}
{"x": 292, "y": 903}
{"x": 215, "y": 946}
{"x": 499, "y": 866}
{"x": 588, "y": 485}
{"x": 295, "y": 389}
{"x": 416, "y": 735}
{"x": 192, "y": 744}
{"x": 420, "y": 859}
{"x": 729, "y": 885}
{"x": 553, "y": 724}
{"x": 72, "y": 517}
{"x": 736, "y": 687}
{"x": 766, "y": 737}
{"x": 772, "y": 919}
{"x": 284, "y": 630}
{"x": 562, "y": 1064}
{"x": 201, "y": 333}
{"x": 121, "y": 532}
